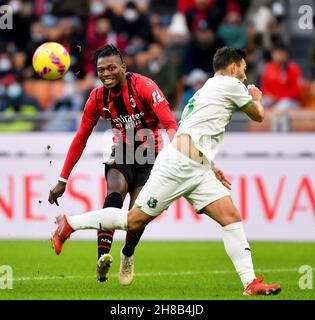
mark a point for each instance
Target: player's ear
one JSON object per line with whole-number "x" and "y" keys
{"x": 123, "y": 66}
{"x": 233, "y": 68}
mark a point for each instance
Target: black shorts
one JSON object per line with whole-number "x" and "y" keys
{"x": 136, "y": 174}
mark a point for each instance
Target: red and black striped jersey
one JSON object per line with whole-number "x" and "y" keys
{"x": 139, "y": 107}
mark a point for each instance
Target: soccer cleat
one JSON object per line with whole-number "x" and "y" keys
{"x": 256, "y": 287}
{"x": 62, "y": 233}
{"x": 126, "y": 271}
{"x": 102, "y": 267}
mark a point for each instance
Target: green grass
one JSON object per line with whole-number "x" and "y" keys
{"x": 164, "y": 270}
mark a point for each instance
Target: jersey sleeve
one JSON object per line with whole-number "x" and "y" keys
{"x": 154, "y": 97}
{"x": 151, "y": 93}
{"x": 90, "y": 117}
{"x": 238, "y": 94}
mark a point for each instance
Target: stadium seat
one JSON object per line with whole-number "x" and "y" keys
{"x": 302, "y": 120}
{"x": 308, "y": 95}
{"x": 46, "y": 92}
{"x": 264, "y": 126}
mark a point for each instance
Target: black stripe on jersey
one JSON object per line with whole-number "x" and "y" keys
{"x": 105, "y": 103}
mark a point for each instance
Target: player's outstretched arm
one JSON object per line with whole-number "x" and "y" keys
{"x": 255, "y": 110}
{"x": 89, "y": 119}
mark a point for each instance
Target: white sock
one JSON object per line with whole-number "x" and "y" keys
{"x": 106, "y": 219}
{"x": 235, "y": 244}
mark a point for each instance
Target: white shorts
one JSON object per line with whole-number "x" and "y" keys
{"x": 175, "y": 175}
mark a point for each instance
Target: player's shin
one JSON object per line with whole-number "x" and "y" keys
{"x": 132, "y": 239}
{"x": 105, "y": 219}
{"x": 105, "y": 238}
{"x": 238, "y": 249}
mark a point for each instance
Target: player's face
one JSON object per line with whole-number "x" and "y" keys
{"x": 240, "y": 71}
{"x": 111, "y": 71}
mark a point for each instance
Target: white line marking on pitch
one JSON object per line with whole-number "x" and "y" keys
{"x": 150, "y": 274}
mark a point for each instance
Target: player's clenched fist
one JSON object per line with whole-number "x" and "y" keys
{"x": 222, "y": 178}
{"x": 254, "y": 92}
{"x": 57, "y": 192}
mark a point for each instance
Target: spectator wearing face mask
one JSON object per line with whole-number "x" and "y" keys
{"x": 136, "y": 23}
{"x": 210, "y": 11}
{"x": 232, "y": 30}
{"x": 13, "y": 99}
{"x": 162, "y": 70}
{"x": 194, "y": 81}
{"x": 201, "y": 48}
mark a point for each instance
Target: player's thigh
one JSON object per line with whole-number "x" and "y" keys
{"x": 141, "y": 176}
{"x": 133, "y": 195}
{"x": 116, "y": 182}
{"x": 160, "y": 191}
{"x": 138, "y": 219}
{"x": 212, "y": 198}
{"x": 223, "y": 211}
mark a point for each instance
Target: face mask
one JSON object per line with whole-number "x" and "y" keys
{"x": 155, "y": 66}
{"x": 14, "y": 91}
{"x": 131, "y": 15}
{"x": 16, "y": 6}
{"x": 97, "y": 8}
{"x": 5, "y": 65}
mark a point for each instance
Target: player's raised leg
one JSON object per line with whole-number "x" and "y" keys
{"x": 237, "y": 247}
{"x": 105, "y": 219}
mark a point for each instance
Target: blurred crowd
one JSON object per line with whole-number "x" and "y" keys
{"x": 170, "y": 41}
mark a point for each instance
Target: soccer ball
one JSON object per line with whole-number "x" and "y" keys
{"x": 51, "y": 60}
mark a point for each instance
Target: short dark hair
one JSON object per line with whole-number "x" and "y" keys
{"x": 227, "y": 55}
{"x": 280, "y": 46}
{"x": 107, "y": 51}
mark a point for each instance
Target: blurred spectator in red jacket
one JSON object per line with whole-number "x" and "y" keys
{"x": 184, "y": 5}
{"x": 281, "y": 81}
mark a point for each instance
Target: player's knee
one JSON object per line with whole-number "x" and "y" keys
{"x": 136, "y": 221}
{"x": 134, "y": 226}
{"x": 117, "y": 186}
{"x": 231, "y": 217}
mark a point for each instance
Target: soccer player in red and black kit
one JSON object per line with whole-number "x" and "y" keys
{"x": 136, "y": 108}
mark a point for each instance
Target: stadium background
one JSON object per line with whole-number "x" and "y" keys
{"x": 271, "y": 165}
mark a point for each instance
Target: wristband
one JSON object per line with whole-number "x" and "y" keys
{"x": 62, "y": 180}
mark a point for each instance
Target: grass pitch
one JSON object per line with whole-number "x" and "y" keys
{"x": 164, "y": 270}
